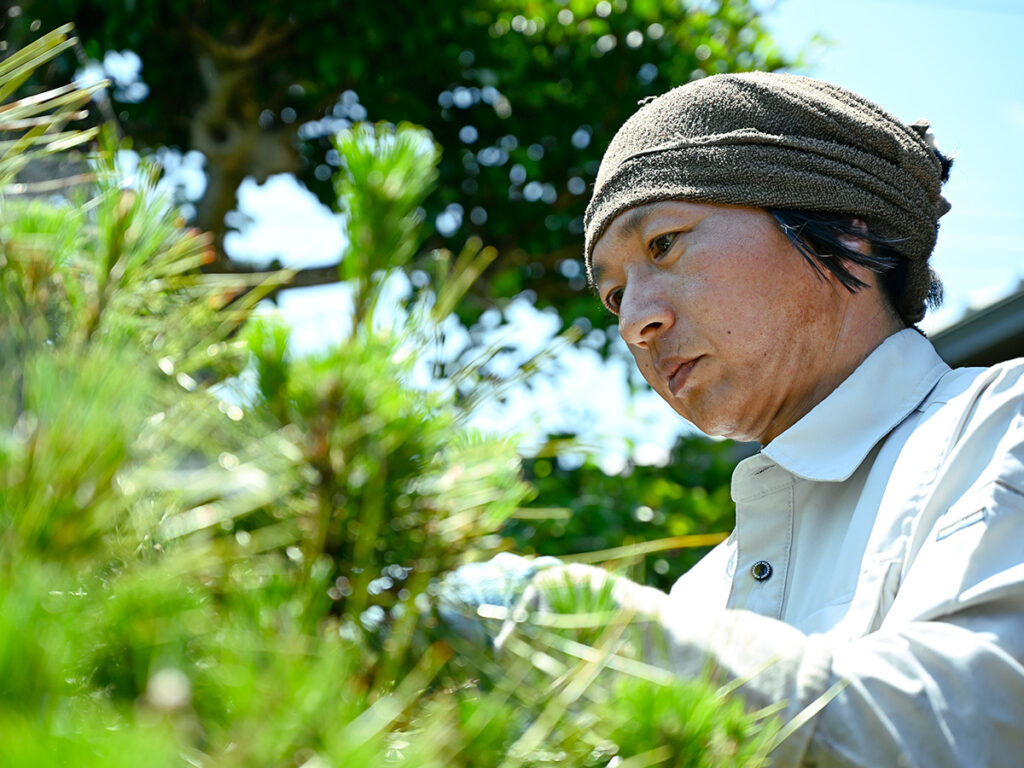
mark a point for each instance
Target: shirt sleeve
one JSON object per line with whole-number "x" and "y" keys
{"x": 934, "y": 694}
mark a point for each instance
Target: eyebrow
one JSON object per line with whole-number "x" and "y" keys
{"x": 634, "y": 222}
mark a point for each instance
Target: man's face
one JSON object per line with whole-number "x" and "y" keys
{"x": 724, "y": 317}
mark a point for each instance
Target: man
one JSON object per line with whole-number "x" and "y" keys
{"x": 764, "y": 241}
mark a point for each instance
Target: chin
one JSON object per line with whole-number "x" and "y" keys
{"x": 716, "y": 418}
{"x": 723, "y": 428}
{"x": 710, "y": 427}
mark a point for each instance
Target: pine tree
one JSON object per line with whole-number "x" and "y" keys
{"x": 214, "y": 552}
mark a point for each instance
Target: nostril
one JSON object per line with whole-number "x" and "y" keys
{"x": 640, "y": 321}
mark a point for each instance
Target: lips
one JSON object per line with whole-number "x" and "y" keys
{"x": 676, "y": 371}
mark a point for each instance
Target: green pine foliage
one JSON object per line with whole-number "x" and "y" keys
{"x": 213, "y": 553}
{"x": 658, "y": 520}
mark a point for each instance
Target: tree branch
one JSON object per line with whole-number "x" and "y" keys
{"x": 283, "y": 279}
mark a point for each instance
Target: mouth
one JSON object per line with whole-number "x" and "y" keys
{"x": 676, "y": 371}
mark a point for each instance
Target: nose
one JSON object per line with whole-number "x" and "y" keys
{"x": 644, "y": 315}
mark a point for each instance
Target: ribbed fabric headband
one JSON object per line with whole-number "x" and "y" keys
{"x": 762, "y": 139}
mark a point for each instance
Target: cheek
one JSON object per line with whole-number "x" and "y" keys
{"x": 738, "y": 321}
{"x": 751, "y": 312}
{"x": 643, "y": 361}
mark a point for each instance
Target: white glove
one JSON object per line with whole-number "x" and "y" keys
{"x": 495, "y": 583}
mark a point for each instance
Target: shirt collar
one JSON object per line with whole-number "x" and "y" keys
{"x": 831, "y": 441}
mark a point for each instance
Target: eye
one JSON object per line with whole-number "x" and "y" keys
{"x": 660, "y": 245}
{"x": 613, "y": 300}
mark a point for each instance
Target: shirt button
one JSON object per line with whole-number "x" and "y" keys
{"x": 761, "y": 570}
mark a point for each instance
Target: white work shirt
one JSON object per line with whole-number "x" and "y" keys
{"x": 887, "y": 526}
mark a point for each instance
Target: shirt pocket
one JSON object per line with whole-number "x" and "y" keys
{"x": 960, "y": 517}
{"x": 966, "y": 556}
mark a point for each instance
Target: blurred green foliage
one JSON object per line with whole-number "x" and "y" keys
{"x": 679, "y": 510}
{"x": 523, "y": 95}
{"x": 217, "y": 554}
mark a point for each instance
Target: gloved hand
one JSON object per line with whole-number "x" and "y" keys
{"x": 767, "y": 661}
{"x": 498, "y": 582}
{"x": 577, "y": 588}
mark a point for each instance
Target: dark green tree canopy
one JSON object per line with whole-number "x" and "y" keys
{"x": 522, "y": 97}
